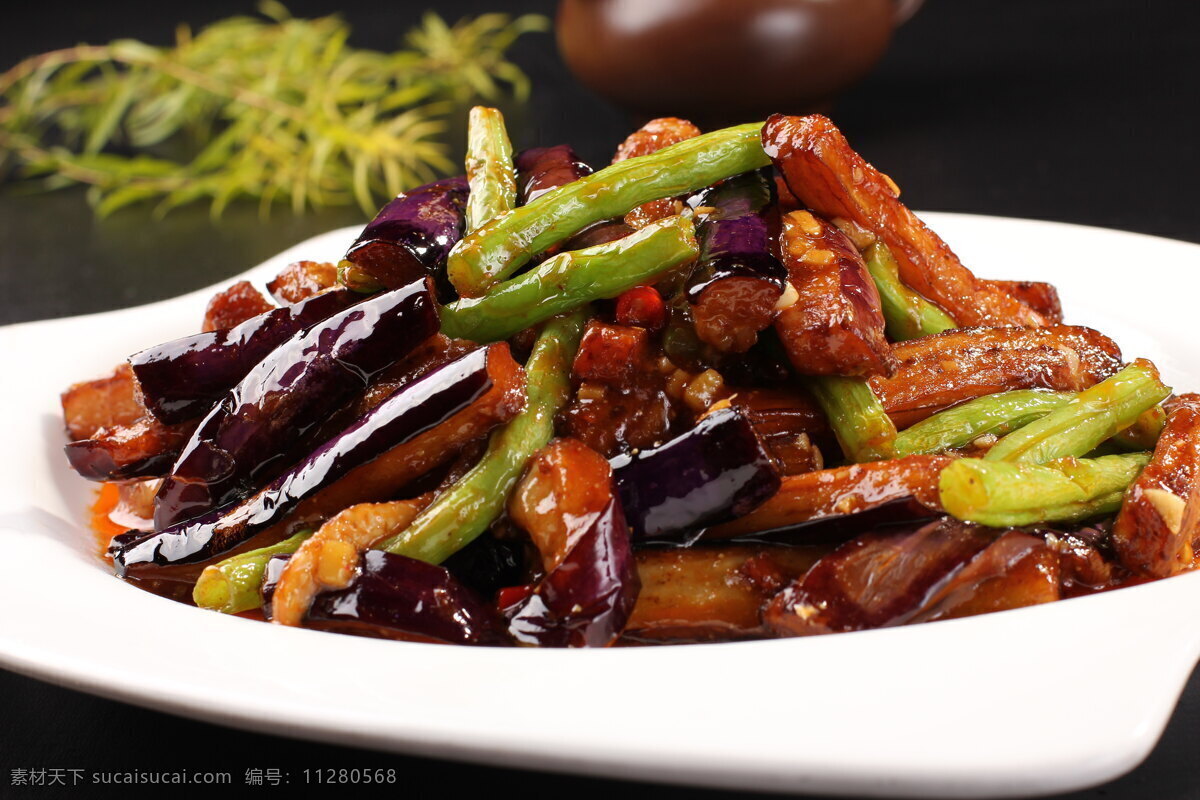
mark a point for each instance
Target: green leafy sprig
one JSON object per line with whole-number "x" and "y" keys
{"x": 277, "y": 108}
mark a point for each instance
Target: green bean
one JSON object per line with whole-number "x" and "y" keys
{"x": 1079, "y": 426}
{"x": 570, "y": 280}
{"x": 863, "y": 428}
{"x": 489, "y": 167}
{"x": 908, "y": 315}
{"x": 503, "y": 245}
{"x": 470, "y": 505}
{"x": 995, "y": 414}
{"x": 232, "y": 586}
{"x": 1004, "y": 494}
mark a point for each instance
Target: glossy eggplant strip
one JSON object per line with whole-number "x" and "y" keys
{"x": 565, "y": 502}
{"x": 714, "y": 472}
{"x": 540, "y": 169}
{"x": 936, "y": 372}
{"x": 902, "y": 487}
{"x": 269, "y": 418}
{"x": 565, "y": 485}
{"x": 737, "y": 281}
{"x": 836, "y": 325}
{"x": 394, "y": 597}
{"x": 875, "y": 580}
{"x": 411, "y": 411}
{"x": 184, "y": 378}
{"x": 1159, "y": 522}
{"x": 650, "y": 138}
{"x": 829, "y": 177}
{"x": 409, "y": 239}
{"x": 108, "y": 402}
{"x": 711, "y": 593}
{"x": 586, "y": 600}
{"x": 384, "y": 477}
{"x": 1015, "y": 571}
{"x": 143, "y": 449}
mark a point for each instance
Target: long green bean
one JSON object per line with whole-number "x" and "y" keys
{"x": 863, "y": 428}
{"x": 996, "y": 414}
{"x": 1003, "y": 494}
{"x": 231, "y": 586}
{"x": 503, "y": 245}
{"x": 1078, "y": 426}
{"x": 908, "y": 315}
{"x": 467, "y": 508}
{"x": 570, "y": 280}
{"x": 489, "y": 167}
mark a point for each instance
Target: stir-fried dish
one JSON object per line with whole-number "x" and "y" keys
{"x": 727, "y": 387}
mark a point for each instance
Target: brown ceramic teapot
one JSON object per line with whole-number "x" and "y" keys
{"x": 724, "y": 61}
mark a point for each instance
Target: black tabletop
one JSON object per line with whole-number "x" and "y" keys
{"x": 1080, "y": 111}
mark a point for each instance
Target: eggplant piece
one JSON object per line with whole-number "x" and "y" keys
{"x": 939, "y": 371}
{"x": 712, "y": 473}
{"x": 862, "y": 495}
{"x": 541, "y": 169}
{"x": 184, "y": 378}
{"x": 403, "y": 417}
{"x": 270, "y": 417}
{"x": 411, "y": 236}
{"x": 144, "y": 449}
{"x": 836, "y": 326}
{"x": 876, "y": 580}
{"x": 697, "y": 594}
{"x": 1015, "y": 571}
{"x": 488, "y": 564}
{"x": 396, "y": 597}
{"x": 396, "y": 470}
{"x": 737, "y": 280}
{"x": 586, "y": 600}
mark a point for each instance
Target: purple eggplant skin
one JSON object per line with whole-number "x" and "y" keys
{"x": 271, "y": 573}
{"x": 540, "y": 169}
{"x": 735, "y": 239}
{"x": 266, "y": 422}
{"x": 411, "y": 236}
{"x": 184, "y": 378}
{"x": 586, "y": 600}
{"x": 712, "y": 473}
{"x": 396, "y": 597}
{"x": 91, "y": 460}
{"x": 405, "y": 414}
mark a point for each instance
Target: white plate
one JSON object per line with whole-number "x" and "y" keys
{"x": 1031, "y": 701}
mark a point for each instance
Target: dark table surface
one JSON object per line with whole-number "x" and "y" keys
{"x": 1079, "y": 111}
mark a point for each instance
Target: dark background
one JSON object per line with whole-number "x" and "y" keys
{"x": 1075, "y": 110}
